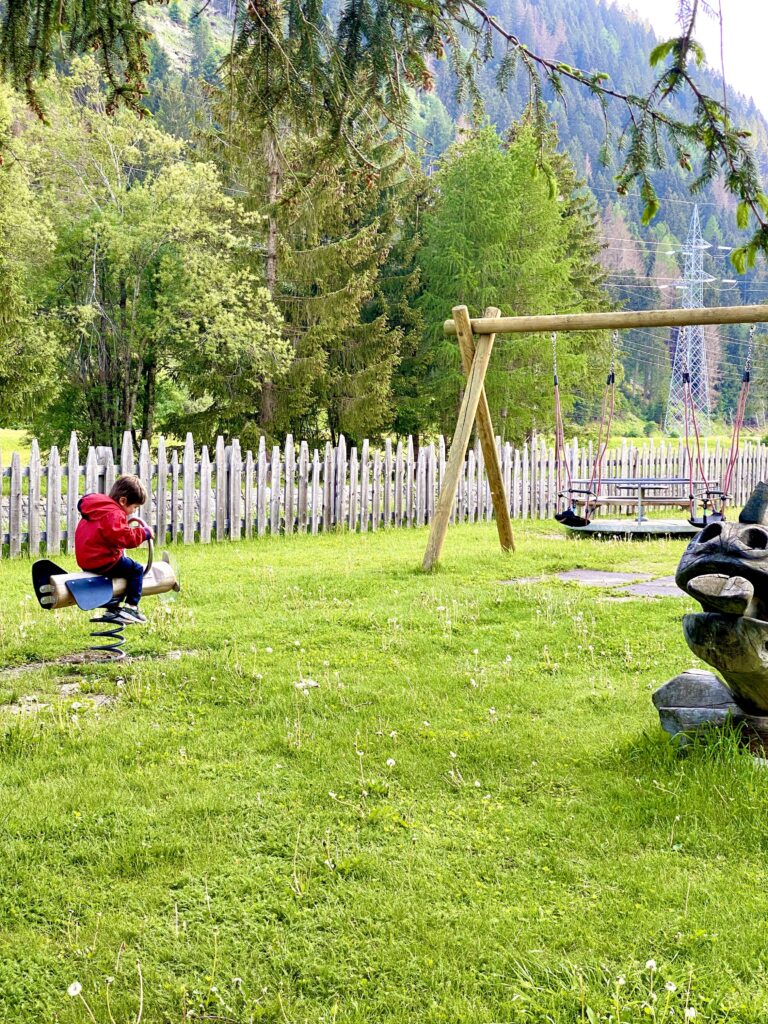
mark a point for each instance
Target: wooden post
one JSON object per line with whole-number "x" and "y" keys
{"x": 248, "y": 504}
{"x": 91, "y": 472}
{"x": 352, "y": 504}
{"x": 303, "y": 486}
{"x": 73, "y": 487}
{"x": 387, "y": 483}
{"x": 14, "y": 510}
{"x": 161, "y": 495}
{"x": 52, "y": 507}
{"x": 126, "y": 454}
{"x": 235, "y": 490}
{"x": 205, "y": 496}
{"x": 290, "y": 473}
{"x": 274, "y": 494}
{"x": 188, "y": 484}
{"x": 261, "y": 489}
{"x": 316, "y": 491}
{"x": 327, "y": 518}
{"x": 455, "y": 464}
{"x": 145, "y": 475}
{"x": 485, "y": 431}
{"x": 364, "y": 473}
{"x": 34, "y": 500}
{"x": 221, "y": 488}
{"x": 175, "y": 528}
{"x": 376, "y": 496}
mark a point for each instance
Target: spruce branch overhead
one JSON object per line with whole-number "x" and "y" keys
{"x": 292, "y": 60}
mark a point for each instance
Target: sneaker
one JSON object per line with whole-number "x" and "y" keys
{"x": 110, "y": 615}
{"x": 131, "y": 615}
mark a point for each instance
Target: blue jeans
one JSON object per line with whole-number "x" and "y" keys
{"x": 129, "y": 570}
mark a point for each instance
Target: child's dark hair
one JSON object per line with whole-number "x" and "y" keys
{"x": 130, "y": 488}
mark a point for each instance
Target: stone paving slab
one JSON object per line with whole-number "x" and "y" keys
{"x": 601, "y": 577}
{"x": 663, "y": 587}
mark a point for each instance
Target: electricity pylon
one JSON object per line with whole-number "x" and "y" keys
{"x": 690, "y": 344}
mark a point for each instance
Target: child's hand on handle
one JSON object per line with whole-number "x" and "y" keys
{"x": 149, "y": 533}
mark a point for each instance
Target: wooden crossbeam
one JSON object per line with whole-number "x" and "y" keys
{"x": 475, "y": 358}
{"x": 616, "y": 320}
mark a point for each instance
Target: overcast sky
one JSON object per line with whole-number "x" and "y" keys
{"x": 745, "y": 33}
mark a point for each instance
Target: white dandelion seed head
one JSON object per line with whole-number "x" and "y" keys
{"x": 74, "y": 989}
{"x": 621, "y": 981}
{"x": 670, "y": 986}
{"x": 690, "y": 1012}
{"x": 268, "y": 650}
{"x": 390, "y": 762}
{"x": 452, "y": 754}
{"x": 650, "y": 965}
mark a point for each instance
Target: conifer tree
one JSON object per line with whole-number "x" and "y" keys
{"x": 500, "y": 236}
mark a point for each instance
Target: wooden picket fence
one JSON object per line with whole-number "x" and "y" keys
{"x": 225, "y": 495}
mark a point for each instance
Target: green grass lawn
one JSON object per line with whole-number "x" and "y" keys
{"x": 14, "y": 441}
{"x": 472, "y": 817}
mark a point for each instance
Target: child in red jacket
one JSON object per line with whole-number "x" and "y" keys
{"x": 102, "y": 536}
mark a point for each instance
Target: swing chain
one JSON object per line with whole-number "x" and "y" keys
{"x": 554, "y": 353}
{"x": 750, "y": 346}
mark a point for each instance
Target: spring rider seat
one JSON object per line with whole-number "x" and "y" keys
{"x": 56, "y": 588}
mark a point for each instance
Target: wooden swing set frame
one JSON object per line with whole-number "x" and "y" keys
{"x": 476, "y": 338}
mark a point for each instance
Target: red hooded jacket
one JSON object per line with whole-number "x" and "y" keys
{"x": 103, "y": 534}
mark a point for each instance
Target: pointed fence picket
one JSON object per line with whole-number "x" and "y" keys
{"x": 230, "y": 496}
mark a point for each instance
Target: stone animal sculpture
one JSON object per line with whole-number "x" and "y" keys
{"x": 725, "y": 568}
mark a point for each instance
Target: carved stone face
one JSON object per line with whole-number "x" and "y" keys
{"x": 725, "y": 568}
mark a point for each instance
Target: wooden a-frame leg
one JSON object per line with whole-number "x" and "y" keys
{"x": 485, "y": 429}
{"x": 457, "y": 454}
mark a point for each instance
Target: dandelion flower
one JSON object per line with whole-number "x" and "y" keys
{"x": 390, "y": 762}
{"x": 393, "y": 734}
{"x": 690, "y": 1012}
{"x": 74, "y": 989}
{"x": 621, "y": 981}
{"x": 650, "y": 965}
{"x": 670, "y": 986}
{"x": 475, "y": 650}
{"x": 452, "y": 754}
{"x": 491, "y": 712}
{"x": 268, "y": 650}
{"x": 477, "y": 783}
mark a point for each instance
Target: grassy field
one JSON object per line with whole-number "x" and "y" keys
{"x": 13, "y": 441}
{"x": 472, "y": 817}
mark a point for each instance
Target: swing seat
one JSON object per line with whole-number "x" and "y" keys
{"x": 705, "y": 520}
{"x": 569, "y": 517}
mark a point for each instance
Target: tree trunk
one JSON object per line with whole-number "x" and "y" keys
{"x": 148, "y": 402}
{"x": 274, "y": 177}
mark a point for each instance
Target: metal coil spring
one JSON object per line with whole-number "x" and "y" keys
{"x": 114, "y": 636}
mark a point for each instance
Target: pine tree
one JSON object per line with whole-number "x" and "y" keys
{"x": 500, "y": 236}
{"x": 334, "y": 232}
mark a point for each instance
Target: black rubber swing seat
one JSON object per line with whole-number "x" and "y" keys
{"x": 570, "y": 518}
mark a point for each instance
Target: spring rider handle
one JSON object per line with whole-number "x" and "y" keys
{"x": 150, "y": 542}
